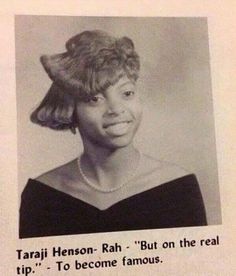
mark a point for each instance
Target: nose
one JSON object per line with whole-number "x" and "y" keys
{"x": 114, "y": 107}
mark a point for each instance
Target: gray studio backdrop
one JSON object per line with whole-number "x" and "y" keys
{"x": 178, "y": 123}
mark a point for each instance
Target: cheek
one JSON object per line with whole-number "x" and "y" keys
{"x": 87, "y": 118}
{"x": 137, "y": 109}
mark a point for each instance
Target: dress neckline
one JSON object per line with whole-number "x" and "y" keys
{"x": 163, "y": 187}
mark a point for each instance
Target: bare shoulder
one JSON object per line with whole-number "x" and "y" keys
{"x": 154, "y": 172}
{"x": 164, "y": 170}
{"x": 59, "y": 175}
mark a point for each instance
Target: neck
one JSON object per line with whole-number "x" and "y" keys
{"x": 109, "y": 168}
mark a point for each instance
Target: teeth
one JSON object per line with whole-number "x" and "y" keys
{"x": 118, "y": 129}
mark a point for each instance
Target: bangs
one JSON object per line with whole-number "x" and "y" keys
{"x": 93, "y": 61}
{"x": 99, "y": 79}
{"x": 106, "y": 78}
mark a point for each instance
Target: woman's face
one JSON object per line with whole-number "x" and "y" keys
{"x": 111, "y": 119}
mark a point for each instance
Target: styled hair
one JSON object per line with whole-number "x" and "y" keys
{"x": 93, "y": 61}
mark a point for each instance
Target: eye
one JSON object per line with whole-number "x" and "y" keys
{"x": 95, "y": 99}
{"x": 128, "y": 93}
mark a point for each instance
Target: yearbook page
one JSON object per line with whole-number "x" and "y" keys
{"x": 117, "y": 138}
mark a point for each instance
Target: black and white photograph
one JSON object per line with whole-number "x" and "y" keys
{"x": 115, "y": 125}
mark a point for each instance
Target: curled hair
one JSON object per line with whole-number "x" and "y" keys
{"x": 92, "y": 62}
{"x": 56, "y": 111}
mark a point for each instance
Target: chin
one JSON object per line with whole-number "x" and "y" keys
{"x": 120, "y": 144}
{"x": 117, "y": 142}
{"x": 120, "y": 141}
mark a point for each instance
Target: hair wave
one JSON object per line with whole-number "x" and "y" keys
{"x": 94, "y": 60}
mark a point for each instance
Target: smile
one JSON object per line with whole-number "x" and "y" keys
{"x": 116, "y": 123}
{"x": 118, "y": 128}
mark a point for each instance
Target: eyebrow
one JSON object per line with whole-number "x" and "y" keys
{"x": 125, "y": 83}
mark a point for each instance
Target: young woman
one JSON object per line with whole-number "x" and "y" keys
{"x": 111, "y": 186}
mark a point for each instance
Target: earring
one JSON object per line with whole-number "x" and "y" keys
{"x": 73, "y": 130}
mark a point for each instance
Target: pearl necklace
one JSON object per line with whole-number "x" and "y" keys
{"x": 100, "y": 189}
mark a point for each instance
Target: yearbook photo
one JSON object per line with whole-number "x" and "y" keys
{"x": 115, "y": 125}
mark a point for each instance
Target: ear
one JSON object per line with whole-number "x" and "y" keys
{"x": 73, "y": 130}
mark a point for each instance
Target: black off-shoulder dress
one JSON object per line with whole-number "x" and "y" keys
{"x": 46, "y": 211}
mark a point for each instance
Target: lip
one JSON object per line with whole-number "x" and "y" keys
{"x": 116, "y": 123}
{"x": 117, "y": 129}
